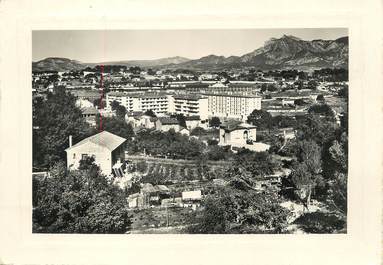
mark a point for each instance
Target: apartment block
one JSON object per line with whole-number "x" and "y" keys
{"x": 237, "y": 106}
{"x": 191, "y": 105}
{"x": 157, "y": 102}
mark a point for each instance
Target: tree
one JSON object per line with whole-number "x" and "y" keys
{"x": 198, "y": 131}
{"x": 151, "y": 72}
{"x": 312, "y": 84}
{"x": 214, "y": 122}
{"x": 313, "y": 127}
{"x": 181, "y": 119}
{"x": 272, "y": 88}
{"x": 255, "y": 164}
{"x": 216, "y": 152}
{"x": 116, "y": 126}
{"x": 54, "y": 119}
{"x": 114, "y": 104}
{"x": 343, "y": 92}
{"x": 299, "y": 84}
{"x": 260, "y": 118}
{"x": 337, "y": 194}
{"x": 320, "y": 98}
{"x": 141, "y": 166}
{"x": 263, "y": 87}
{"x": 79, "y": 201}
{"x": 299, "y": 102}
{"x": 150, "y": 113}
{"x": 306, "y": 173}
{"x": 322, "y": 109}
{"x": 120, "y": 112}
{"x": 320, "y": 223}
{"x": 169, "y": 144}
{"x": 337, "y": 176}
{"x": 230, "y": 210}
{"x": 284, "y": 121}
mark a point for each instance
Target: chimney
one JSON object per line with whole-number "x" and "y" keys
{"x": 70, "y": 140}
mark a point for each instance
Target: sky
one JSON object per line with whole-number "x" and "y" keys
{"x": 92, "y": 46}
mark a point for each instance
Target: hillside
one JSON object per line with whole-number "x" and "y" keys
{"x": 57, "y": 64}
{"x": 64, "y": 64}
{"x": 148, "y": 63}
{"x": 287, "y": 52}
{"x": 283, "y": 53}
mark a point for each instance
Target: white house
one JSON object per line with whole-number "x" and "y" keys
{"x": 237, "y": 134}
{"x": 106, "y": 149}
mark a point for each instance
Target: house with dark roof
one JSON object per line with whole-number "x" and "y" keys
{"x": 106, "y": 148}
{"x": 236, "y": 133}
{"x": 89, "y": 114}
{"x": 166, "y": 123}
{"x": 194, "y": 121}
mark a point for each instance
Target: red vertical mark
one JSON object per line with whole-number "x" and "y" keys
{"x": 101, "y": 94}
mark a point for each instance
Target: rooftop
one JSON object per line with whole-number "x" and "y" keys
{"x": 187, "y": 96}
{"x": 89, "y": 111}
{"x": 192, "y": 118}
{"x": 104, "y": 139}
{"x": 232, "y": 95}
{"x": 233, "y": 125}
{"x": 137, "y": 95}
{"x": 168, "y": 121}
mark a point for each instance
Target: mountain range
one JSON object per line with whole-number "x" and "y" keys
{"x": 287, "y": 52}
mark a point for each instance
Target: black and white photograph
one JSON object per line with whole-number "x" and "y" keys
{"x": 190, "y": 131}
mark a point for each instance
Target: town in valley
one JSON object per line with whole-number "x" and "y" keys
{"x": 255, "y": 143}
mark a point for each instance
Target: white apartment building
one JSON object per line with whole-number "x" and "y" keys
{"x": 191, "y": 105}
{"x": 236, "y": 106}
{"x": 159, "y": 103}
{"x": 223, "y": 105}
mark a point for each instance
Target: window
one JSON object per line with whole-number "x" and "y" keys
{"x": 245, "y": 135}
{"x": 74, "y": 155}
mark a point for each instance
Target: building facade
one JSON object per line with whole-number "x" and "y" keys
{"x": 191, "y": 105}
{"x": 237, "y": 135}
{"x": 157, "y": 102}
{"x": 236, "y": 106}
{"x": 106, "y": 148}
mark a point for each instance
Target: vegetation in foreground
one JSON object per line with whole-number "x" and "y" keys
{"x": 84, "y": 201}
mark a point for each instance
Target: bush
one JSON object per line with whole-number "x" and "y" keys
{"x": 319, "y": 223}
{"x": 79, "y": 201}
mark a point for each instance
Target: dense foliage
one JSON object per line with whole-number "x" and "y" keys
{"x": 115, "y": 125}
{"x": 79, "y": 201}
{"x": 54, "y": 119}
{"x": 230, "y": 210}
{"x": 166, "y": 144}
{"x": 214, "y": 122}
